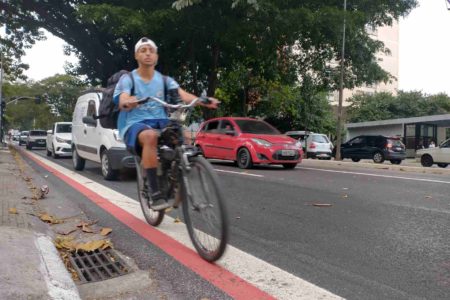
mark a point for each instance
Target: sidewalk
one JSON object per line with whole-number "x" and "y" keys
{"x": 31, "y": 265}
{"x": 408, "y": 165}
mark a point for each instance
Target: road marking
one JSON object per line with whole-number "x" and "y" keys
{"x": 375, "y": 175}
{"x": 257, "y": 279}
{"x": 239, "y": 173}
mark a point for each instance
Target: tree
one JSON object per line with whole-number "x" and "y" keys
{"x": 278, "y": 40}
{"x": 59, "y": 92}
{"x": 383, "y": 106}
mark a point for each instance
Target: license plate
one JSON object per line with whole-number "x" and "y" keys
{"x": 287, "y": 152}
{"x": 41, "y": 142}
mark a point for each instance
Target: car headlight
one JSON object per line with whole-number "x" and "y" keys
{"x": 60, "y": 140}
{"x": 116, "y": 135}
{"x": 262, "y": 142}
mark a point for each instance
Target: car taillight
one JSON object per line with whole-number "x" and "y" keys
{"x": 312, "y": 145}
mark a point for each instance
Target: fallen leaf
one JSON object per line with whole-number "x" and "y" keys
{"x": 177, "y": 220}
{"x": 64, "y": 242}
{"x": 13, "y": 210}
{"x": 24, "y": 197}
{"x": 65, "y": 231}
{"x": 345, "y": 196}
{"x": 238, "y": 217}
{"x": 86, "y": 228}
{"x": 322, "y": 204}
{"x": 105, "y": 231}
{"x": 428, "y": 197}
{"x": 49, "y": 219}
{"x": 168, "y": 209}
{"x": 93, "y": 245}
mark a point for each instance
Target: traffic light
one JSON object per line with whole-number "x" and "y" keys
{"x": 37, "y": 100}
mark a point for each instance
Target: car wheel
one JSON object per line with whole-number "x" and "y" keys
{"x": 49, "y": 153}
{"x": 54, "y": 152}
{"x": 396, "y": 161}
{"x": 78, "y": 162}
{"x": 289, "y": 166}
{"x": 244, "y": 159}
{"x": 107, "y": 171}
{"x": 378, "y": 157}
{"x": 354, "y": 159}
{"x": 442, "y": 165}
{"x": 426, "y": 160}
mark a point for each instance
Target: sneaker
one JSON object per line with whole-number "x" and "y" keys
{"x": 158, "y": 202}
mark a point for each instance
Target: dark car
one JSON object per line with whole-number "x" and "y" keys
{"x": 376, "y": 147}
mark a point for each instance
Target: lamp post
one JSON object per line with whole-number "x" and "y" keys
{"x": 341, "y": 92}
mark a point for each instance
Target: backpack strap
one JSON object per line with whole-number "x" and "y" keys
{"x": 132, "y": 83}
{"x": 165, "y": 87}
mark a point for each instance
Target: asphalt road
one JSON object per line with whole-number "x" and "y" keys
{"x": 381, "y": 235}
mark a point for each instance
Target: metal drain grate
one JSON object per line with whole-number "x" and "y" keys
{"x": 97, "y": 265}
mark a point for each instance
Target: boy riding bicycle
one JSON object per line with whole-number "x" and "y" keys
{"x": 138, "y": 124}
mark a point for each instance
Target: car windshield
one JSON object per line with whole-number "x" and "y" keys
{"x": 24, "y": 133}
{"x": 64, "y": 128}
{"x": 318, "y": 138}
{"x": 256, "y": 127}
{"x": 38, "y": 132}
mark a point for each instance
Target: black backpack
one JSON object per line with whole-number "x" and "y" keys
{"x": 108, "y": 112}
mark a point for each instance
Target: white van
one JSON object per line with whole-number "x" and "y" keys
{"x": 59, "y": 139}
{"x": 90, "y": 141}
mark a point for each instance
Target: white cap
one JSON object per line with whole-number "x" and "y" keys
{"x": 145, "y": 41}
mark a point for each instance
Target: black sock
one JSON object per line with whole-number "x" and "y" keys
{"x": 152, "y": 180}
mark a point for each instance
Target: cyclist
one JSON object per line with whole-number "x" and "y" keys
{"x": 138, "y": 125}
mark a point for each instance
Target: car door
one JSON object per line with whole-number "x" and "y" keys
{"x": 225, "y": 140}
{"x": 353, "y": 148}
{"x": 207, "y": 139}
{"x": 88, "y": 140}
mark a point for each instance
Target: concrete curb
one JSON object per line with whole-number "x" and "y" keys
{"x": 404, "y": 167}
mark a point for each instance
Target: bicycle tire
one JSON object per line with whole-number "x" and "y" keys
{"x": 152, "y": 217}
{"x": 200, "y": 205}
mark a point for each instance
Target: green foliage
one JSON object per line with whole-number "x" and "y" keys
{"x": 59, "y": 94}
{"x": 383, "y": 106}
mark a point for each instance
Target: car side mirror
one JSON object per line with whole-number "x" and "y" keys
{"x": 89, "y": 121}
{"x": 230, "y": 132}
{"x": 49, "y": 132}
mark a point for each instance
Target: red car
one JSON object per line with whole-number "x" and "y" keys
{"x": 247, "y": 141}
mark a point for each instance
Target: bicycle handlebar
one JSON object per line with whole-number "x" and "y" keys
{"x": 174, "y": 106}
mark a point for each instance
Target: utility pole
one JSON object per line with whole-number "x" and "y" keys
{"x": 341, "y": 92}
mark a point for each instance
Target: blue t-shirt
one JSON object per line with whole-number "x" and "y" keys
{"x": 149, "y": 110}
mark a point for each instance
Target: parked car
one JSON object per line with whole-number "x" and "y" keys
{"x": 438, "y": 155}
{"x": 59, "y": 139}
{"x": 90, "y": 141}
{"x": 36, "y": 138}
{"x": 315, "y": 145}
{"x": 376, "y": 147}
{"x": 23, "y": 137}
{"x": 247, "y": 141}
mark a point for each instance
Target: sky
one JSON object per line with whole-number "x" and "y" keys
{"x": 424, "y": 51}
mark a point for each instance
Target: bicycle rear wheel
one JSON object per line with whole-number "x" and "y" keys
{"x": 152, "y": 217}
{"x": 204, "y": 210}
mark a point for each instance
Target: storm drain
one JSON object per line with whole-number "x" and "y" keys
{"x": 97, "y": 265}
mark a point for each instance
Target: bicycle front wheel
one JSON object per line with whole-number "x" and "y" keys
{"x": 152, "y": 217}
{"x": 204, "y": 210}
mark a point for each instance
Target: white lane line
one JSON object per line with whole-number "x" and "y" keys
{"x": 269, "y": 278}
{"x": 239, "y": 173}
{"x": 376, "y": 175}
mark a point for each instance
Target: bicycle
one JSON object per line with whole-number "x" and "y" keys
{"x": 187, "y": 178}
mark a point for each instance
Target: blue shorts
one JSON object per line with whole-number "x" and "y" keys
{"x": 131, "y": 136}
